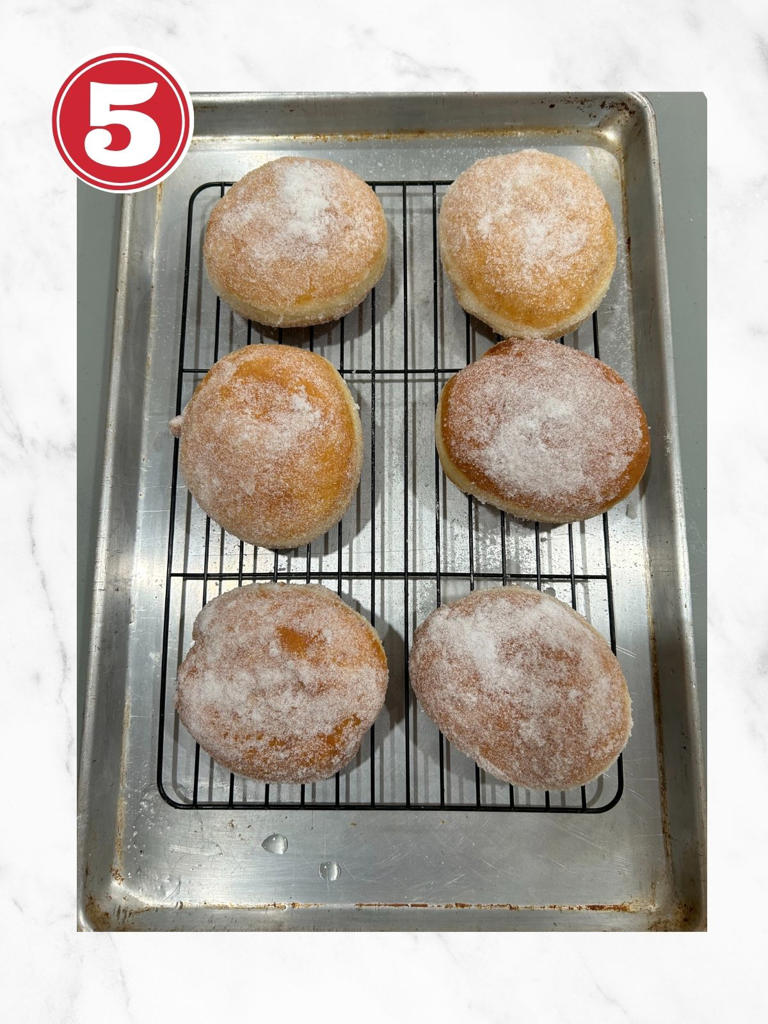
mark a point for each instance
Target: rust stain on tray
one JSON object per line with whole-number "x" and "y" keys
{"x": 627, "y": 908}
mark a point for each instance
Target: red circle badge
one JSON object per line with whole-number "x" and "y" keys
{"x": 122, "y": 122}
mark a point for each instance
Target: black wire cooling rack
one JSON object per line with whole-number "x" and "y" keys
{"x": 384, "y": 558}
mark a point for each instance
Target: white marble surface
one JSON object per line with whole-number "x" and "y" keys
{"x": 54, "y": 974}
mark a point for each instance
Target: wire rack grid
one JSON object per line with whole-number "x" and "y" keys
{"x": 409, "y": 542}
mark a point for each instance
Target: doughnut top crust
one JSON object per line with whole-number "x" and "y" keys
{"x": 523, "y": 685}
{"x": 282, "y": 681}
{"x": 543, "y": 431}
{"x": 528, "y": 242}
{"x": 271, "y": 445}
{"x": 295, "y": 242}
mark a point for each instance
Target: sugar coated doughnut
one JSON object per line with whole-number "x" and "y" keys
{"x": 528, "y": 243}
{"x": 542, "y": 431}
{"x": 281, "y": 682}
{"x": 296, "y": 242}
{"x": 272, "y": 445}
{"x": 524, "y": 686}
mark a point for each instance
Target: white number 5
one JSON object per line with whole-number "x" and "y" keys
{"x": 144, "y": 139}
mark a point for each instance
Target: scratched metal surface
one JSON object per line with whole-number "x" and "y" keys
{"x": 146, "y": 864}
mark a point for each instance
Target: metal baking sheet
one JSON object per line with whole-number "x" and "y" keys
{"x": 148, "y": 860}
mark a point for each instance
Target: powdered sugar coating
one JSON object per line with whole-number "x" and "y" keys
{"x": 282, "y": 681}
{"x": 524, "y": 686}
{"x": 543, "y": 431}
{"x": 528, "y": 242}
{"x": 296, "y": 242}
{"x": 271, "y": 445}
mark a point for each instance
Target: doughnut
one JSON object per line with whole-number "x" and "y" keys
{"x": 296, "y": 242}
{"x": 281, "y": 682}
{"x": 271, "y": 445}
{"x": 524, "y": 686}
{"x": 542, "y": 431}
{"x": 528, "y": 243}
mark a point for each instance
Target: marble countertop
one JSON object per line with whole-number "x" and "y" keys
{"x": 56, "y": 974}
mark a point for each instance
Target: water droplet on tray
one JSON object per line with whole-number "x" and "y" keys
{"x": 330, "y": 870}
{"x": 167, "y": 887}
{"x": 275, "y": 843}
